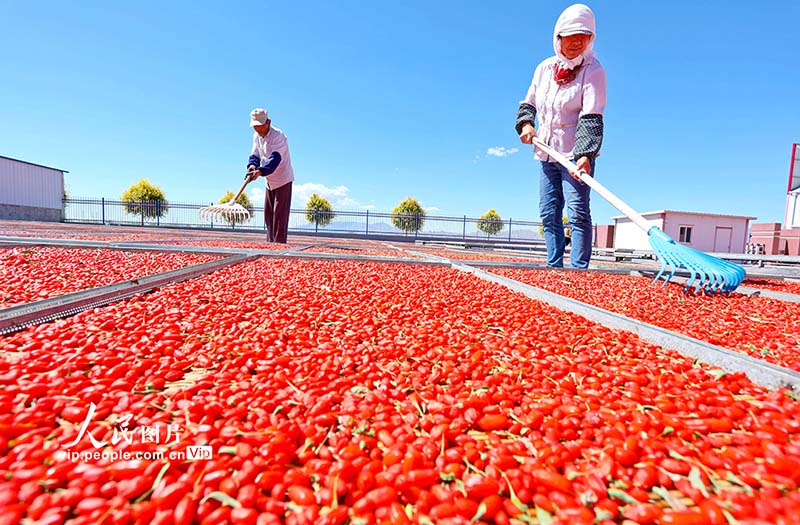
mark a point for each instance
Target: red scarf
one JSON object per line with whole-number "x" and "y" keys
{"x": 564, "y": 76}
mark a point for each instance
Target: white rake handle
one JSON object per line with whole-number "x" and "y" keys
{"x": 629, "y": 212}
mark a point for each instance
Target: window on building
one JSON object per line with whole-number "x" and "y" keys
{"x": 685, "y": 234}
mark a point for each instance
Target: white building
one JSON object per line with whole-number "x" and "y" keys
{"x": 706, "y": 232}
{"x": 792, "y": 219}
{"x": 30, "y": 191}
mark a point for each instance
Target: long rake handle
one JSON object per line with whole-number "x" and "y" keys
{"x": 241, "y": 190}
{"x": 629, "y": 212}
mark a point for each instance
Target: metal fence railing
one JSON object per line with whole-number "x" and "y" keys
{"x": 360, "y": 223}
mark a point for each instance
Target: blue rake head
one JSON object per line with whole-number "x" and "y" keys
{"x": 707, "y": 273}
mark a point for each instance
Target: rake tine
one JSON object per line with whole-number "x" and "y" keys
{"x": 691, "y": 280}
{"x": 674, "y": 267}
{"x": 725, "y": 278}
{"x": 721, "y": 279}
{"x": 715, "y": 280}
{"x": 711, "y": 276}
{"x": 231, "y": 210}
{"x": 661, "y": 272}
{"x": 666, "y": 256}
{"x": 723, "y": 286}
{"x": 701, "y": 279}
{"x": 728, "y": 274}
{"x": 711, "y": 280}
{"x": 737, "y": 274}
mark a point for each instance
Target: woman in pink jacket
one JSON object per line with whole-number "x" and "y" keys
{"x": 567, "y": 96}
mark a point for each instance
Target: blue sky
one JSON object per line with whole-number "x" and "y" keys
{"x": 386, "y": 100}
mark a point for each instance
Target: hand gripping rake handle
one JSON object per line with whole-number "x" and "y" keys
{"x": 241, "y": 190}
{"x": 629, "y": 212}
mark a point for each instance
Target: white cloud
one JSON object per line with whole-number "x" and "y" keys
{"x": 432, "y": 209}
{"x": 337, "y": 196}
{"x": 501, "y": 151}
{"x": 368, "y": 207}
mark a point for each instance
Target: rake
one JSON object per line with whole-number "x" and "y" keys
{"x": 231, "y": 211}
{"x": 707, "y": 273}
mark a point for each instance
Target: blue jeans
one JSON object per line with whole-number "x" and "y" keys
{"x": 556, "y": 188}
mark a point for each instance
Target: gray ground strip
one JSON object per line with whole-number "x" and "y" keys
{"x": 772, "y": 294}
{"x": 783, "y": 273}
{"x": 303, "y": 248}
{"x": 429, "y": 256}
{"x": 16, "y": 242}
{"x": 167, "y": 240}
{"x": 539, "y": 266}
{"x": 289, "y": 253}
{"x": 316, "y": 256}
{"x": 326, "y": 245}
{"x": 18, "y": 317}
{"x": 8, "y": 241}
{"x": 617, "y": 270}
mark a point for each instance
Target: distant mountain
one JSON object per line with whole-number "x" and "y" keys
{"x": 430, "y": 229}
{"x": 351, "y": 226}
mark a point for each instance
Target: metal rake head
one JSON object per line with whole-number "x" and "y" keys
{"x": 707, "y": 273}
{"x": 229, "y": 212}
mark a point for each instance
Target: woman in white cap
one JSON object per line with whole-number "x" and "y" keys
{"x": 568, "y": 96}
{"x": 270, "y": 159}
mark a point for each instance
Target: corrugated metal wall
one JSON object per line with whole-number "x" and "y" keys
{"x": 24, "y": 184}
